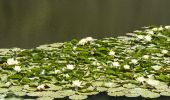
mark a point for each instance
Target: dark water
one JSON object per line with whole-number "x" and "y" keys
{"x": 29, "y": 23}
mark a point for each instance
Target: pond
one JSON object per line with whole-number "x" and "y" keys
{"x": 48, "y": 36}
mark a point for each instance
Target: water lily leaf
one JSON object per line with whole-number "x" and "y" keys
{"x": 129, "y": 86}
{"x": 101, "y": 89}
{"x": 15, "y": 76}
{"x": 97, "y": 83}
{"x": 163, "y": 78}
{"x": 20, "y": 93}
{"x": 165, "y": 93}
{"x": 12, "y": 98}
{"x": 2, "y": 96}
{"x": 34, "y": 94}
{"x": 66, "y": 92}
{"x": 25, "y": 81}
{"x": 88, "y": 93}
{"x": 33, "y": 84}
{"x": 30, "y": 89}
{"x": 116, "y": 89}
{"x": 149, "y": 94}
{"x": 110, "y": 84}
{"x": 115, "y": 94}
{"x": 3, "y": 77}
{"x": 3, "y": 90}
{"x": 15, "y": 88}
{"x": 77, "y": 97}
{"x": 2, "y": 85}
{"x": 132, "y": 95}
{"x": 53, "y": 87}
{"x": 45, "y": 98}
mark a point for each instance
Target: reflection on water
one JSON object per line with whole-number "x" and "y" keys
{"x": 30, "y": 23}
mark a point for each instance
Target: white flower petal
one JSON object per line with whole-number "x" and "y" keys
{"x": 154, "y": 29}
{"x": 134, "y": 61}
{"x": 152, "y": 82}
{"x": 164, "y": 51}
{"x": 140, "y": 36}
{"x": 85, "y": 40}
{"x": 17, "y": 68}
{"x": 167, "y": 27}
{"x": 111, "y": 53}
{"x": 76, "y": 83}
{"x": 41, "y": 87}
{"x": 140, "y": 79}
{"x": 145, "y": 57}
{"x": 57, "y": 71}
{"x": 156, "y": 67}
{"x": 160, "y": 28}
{"x": 115, "y": 64}
{"x": 12, "y": 61}
{"x": 148, "y": 38}
{"x": 126, "y": 67}
{"x": 69, "y": 66}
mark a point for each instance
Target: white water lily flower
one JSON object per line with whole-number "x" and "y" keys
{"x": 76, "y": 83}
{"x": 151, "y": 76}
{"x": 156, "y": 67}
{"x": 115, "y": 64}
{"x": 57, "y": 71}
{"x": 134, "y": 61}
{"x": 111, "y": 53}
{"x": 66, "y": 75}
{"x": 16, "y": 49}
{"x": 141, "y": 79}
{"x": 167, "y": 27}
{"x": 160, "y": 28}
{"x": 17, "y": 68}
{"x": 152, "y": 82}
{"x": 85, "y": 40}
{"x": 126, "y": 67}
{"x": 140, "y": 36}
{"x": 41, "y": 87}
{"x": 75, "y": 47}
{"x": 164, "y": 51}
{"x": 137, "y": 31}
{"x": 91, "y": 88}
{"x": 108, "y": 84}
{"x": 154, "y": 29}
{"x": 42, "y": 72}
{"x": 145, "y": 56}
{"x": 32, "y": 78}
{"x": 150, "y": 32}
{"x": 148, "y": 38}
{"x": 96, "y": 63}
{"x": 99, "y": 67}
{"x": 12, "y": 61}
{"x": 69, "y": 66}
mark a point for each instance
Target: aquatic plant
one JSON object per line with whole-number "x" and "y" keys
{"x": 137, "y": 64}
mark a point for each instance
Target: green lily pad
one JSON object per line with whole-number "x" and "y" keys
{"x": 45, "y": 98}
{"x": 15, "y": 88}
{"x": 116, "y": 94}
{"x": 77, "y": 97}
{"x": 3, "y": 90}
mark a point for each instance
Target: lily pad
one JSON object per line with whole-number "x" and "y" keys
{"x": 77, "y": 97}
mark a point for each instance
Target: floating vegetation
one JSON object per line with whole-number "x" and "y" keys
{"x": 137, "y": 64}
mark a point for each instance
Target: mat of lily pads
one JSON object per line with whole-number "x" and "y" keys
{"x": 137, "y": 64}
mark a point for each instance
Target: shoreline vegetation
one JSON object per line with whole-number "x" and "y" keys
{"x": 134, "y": 65}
